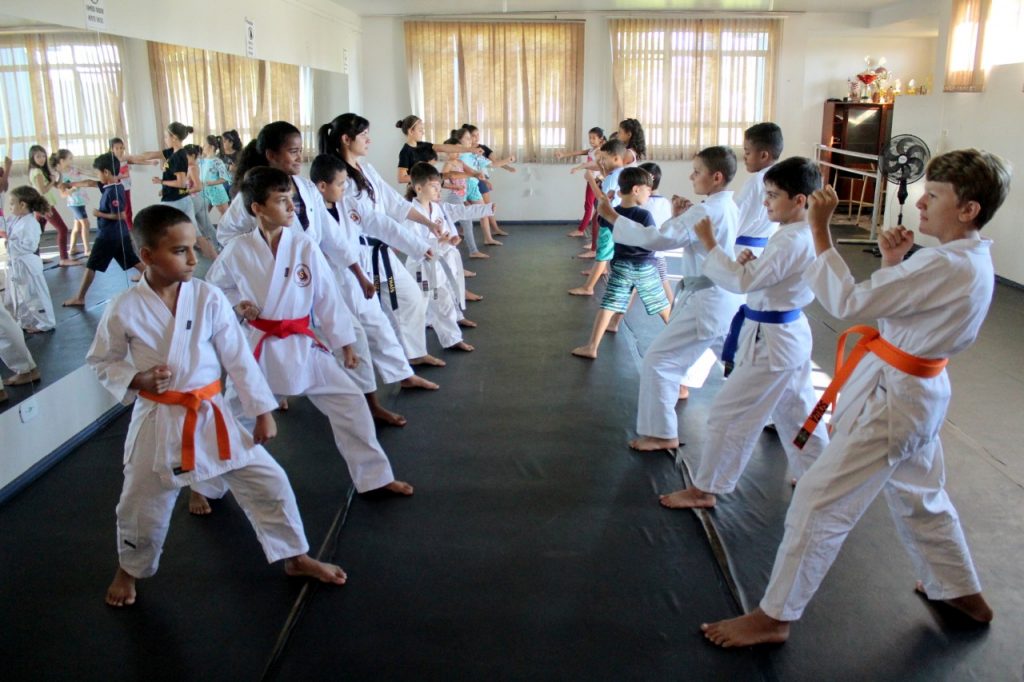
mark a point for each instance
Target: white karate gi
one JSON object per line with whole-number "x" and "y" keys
{"x": 885, "y": 431}
{"x": 753, "y": 220}
{"x": 138, "y": 332}
{"x": 445, "y": 299}
{"x": 13, "y": 351}
{"x": 288, "y": 287}
{"x": 772, "y": 379}
{"x": 27, "y": 294}
{"x": 700, "y": 317}
{"x": 382, "y": 218}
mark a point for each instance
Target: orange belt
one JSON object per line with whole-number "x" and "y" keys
{"x": 282, "y": 329}
{"x": 871, "y": 341}
{"x": 191, "y": 400}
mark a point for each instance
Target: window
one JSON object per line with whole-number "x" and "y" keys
{"x": 964, "y": 70}
{"x": 214, "y": 92}
{"x": 519, "y": 83}
{"x": 693, "y": 83}
{"x": 60, "y": 90}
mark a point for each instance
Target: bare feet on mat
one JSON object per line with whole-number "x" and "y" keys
{"x": 575, "y": 233}
{"x": 581, "y": 291}
{"x": 307, "y": 567}
{"x": 684, "y": 392}
{"x": 688, "y": 498}
{"x": 463, "y": 346}
{"x": 198, "y": 504}
{"x": 756, "y": 627}
{"x": 587, "y": 352}
{"x": 973, "y": 606}
{"x": 427, "y": 360}
{"x": 468, "y": 324}
{"x": 470, "y": 296}
{"x": 282, "y": 404}
{"x": 388, "y": 417}
{"x": 122, "y": 590}
{"x": 468, "y": 273}
{"x": 68, "y": 263}
{"x": 493, "y": 242}
{"x": 478, "y": 254}
{"x": 499, "y": 233}
{"x": 651, "y": 444}
{"x": 416, "y": 381}
{"x": 397, "y": 488}
{"x": 74, "y": 303}
{"x": 22, "y": 378}
{"x": 587, "y": 255}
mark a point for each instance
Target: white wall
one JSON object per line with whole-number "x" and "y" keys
{"x": 819, "y": 51}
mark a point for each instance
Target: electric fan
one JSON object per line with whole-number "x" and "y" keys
{"x": 903, "y": 162}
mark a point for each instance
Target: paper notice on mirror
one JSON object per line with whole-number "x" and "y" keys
{"x": 250, "y": 38}
{"x": 95, "y": 15}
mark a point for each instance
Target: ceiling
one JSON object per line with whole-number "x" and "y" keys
{"x": 477, "y": 7}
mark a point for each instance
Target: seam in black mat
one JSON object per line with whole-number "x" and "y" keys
{"x": 325, "y": 553}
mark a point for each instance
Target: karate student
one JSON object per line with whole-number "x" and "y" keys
{"x": 611, "y": 159}
{"x": 275, "y": 276}
{"x": 164, "y": 345}
{"x": 702, "y": 311}
{"x": 27, "y": 293}
{"x": 442, "y": 278}
{"x": 113, "y": 241}
{"x": 15, "y": 354}
{"x": 376, "y": 339}
{"x": 885, "y": 429}
{"x": 762, "y": 148}
{"x": 772, "y": 379}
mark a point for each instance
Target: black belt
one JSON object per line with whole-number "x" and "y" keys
{"x": 381, "y": 248}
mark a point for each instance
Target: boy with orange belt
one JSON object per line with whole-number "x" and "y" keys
{"x": 885, "y": 431}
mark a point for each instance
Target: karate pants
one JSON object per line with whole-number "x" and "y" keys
{"x": 13, "y": 351}
{"x": 837, "y": 490}
{"x": 410, "y": 319}
{"x": 144, "y": 511}
{"x": 753, "y": 395}
{"x": 467, "y": 225}
{"x": 385, "y": 349}
{"x": 669, "y": 357}
{"x": 28, "y": 295}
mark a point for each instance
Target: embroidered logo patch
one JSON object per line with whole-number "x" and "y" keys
{"x": 302, "y": 275}
{"x": 354, "y": 217}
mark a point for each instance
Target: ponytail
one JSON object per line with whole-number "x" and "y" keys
{"x": 180, "y": 130}
{"x": 407, "y": 123}
{"x": 329, "y": 140}
{"x": 271, "y": 138}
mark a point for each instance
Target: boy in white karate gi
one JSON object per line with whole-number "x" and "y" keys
{"x": 762, "y": 148}
{"x": 773, "y": 374}
{"x": 702, "y": 311}
{"x": 274, "y": 277}
{"x": 164, "y": 344}
{"x": 885, "y": 430}
{"x": 442, "y": 278}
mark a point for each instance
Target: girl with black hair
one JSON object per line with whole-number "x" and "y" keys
{"x": 596, "y": 138}
{"x": 631, "y": 133}
{"x": 27, "y": 293}
{"x": 46, "y": 181}
{"x": 482, "y": 161}
{"x": 231, "y": 149}
{"x": 415, "y": 149}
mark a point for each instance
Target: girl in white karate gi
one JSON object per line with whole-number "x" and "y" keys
{"x": 885, "y": 430}
{"x": 274, "y": 277}
{"x": 442, "y": 279}
{"x": 162, "y": 345}
{"x": 27, "y": 294}
{"x": 773, "y": 363}
{"x": 380, "y": 210}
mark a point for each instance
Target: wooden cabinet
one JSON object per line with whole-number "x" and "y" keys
{"x": 858, "y": 127}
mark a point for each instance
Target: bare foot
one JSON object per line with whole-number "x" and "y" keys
{"x": 68, "y": 263}
{"x": 282, "y": 404}
{"x": 468, "y": 324}
{"x": 688, "y": 498}
{"x": 493, "y": 242}
{"x": 973, "y": 606}
{"x": 427, "y": 360}
{"x": 468, "y": 273}
{"x": 684, "y": 392}
{"x": 756, "y": 627}
{"x": 613, "y": 330}
{"x": 74, "y": 303}
{"x": 386, "y": 416}
{"x": 478, "y": 254}
{"x": 575, "y": 233}
{"x": 398, "y": 488}
{"x": 122, "y": 590}
{"x": 35, "y": 330}
{"x": 462, "y": 345}
{"x": 416, "y": 381}
{"x": 587, "y": 255}
{"x": 499, "y": 233}
{"x": 581, "y": 291}
{"x": 198, "y": 504}
{"x": 22, "y": 378}
{"x": 470, "y": 296}
{"x": 585, "y": 352}
{"x": 651, "y": 444}
{"x": 308, "y": 567}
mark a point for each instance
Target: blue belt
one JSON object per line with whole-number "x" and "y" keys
{"x": 759, "y": 242}
{"x": 745, "y": 312}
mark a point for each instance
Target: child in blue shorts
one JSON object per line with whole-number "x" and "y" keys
{"x": 632, "y": 267}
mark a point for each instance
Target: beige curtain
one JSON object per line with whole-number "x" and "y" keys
{"x": 214, "y": 92}
{"x": 694, "y": 83}
{"x": 60, "y": 90}
{"x": 964, "y": 69}
{"x": 520, "y": 83}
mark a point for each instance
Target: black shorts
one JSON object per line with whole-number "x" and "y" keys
{"x": 108, "y": 247}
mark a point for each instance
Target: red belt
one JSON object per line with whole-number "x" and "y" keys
{"x": 191, "y": 401}
{"x": 282, "y": 329}
{"x": 871, "y": 341}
